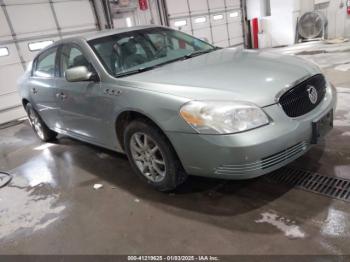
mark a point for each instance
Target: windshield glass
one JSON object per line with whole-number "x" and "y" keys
{"x": 137, "y": 51}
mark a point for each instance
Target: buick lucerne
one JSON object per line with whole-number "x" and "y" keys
{"x": 178, "y": 106}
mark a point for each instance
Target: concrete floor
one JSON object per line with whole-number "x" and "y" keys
{"x": 50, "y": 207}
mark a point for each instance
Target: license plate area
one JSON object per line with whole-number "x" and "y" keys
{"x": 321, "y": 127}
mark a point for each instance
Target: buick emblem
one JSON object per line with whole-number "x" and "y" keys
{"x": 313, "y": 95}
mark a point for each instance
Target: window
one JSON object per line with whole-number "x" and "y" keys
{"x": 218, "y": 17}
{"x": 200, "y": 20}
{"x": 72, "y": 56}
{"x": 135, "y": 51}
{"x": 128, "y": 22}
{"x": 4, "y": 51}
{"x": 46, "y": 64}
{"x": 234, "y": 15}
{"x": 36, "y": 46}
{"x": 180, "y": 23}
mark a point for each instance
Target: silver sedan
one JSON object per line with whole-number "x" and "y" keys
{"x": 177, "y": 105}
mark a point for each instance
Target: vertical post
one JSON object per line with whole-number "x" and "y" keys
{"x": 245, "y": 25}
{"x": 255, "y": 31}
{"x": 163, "y": 13}
{"x": 103, "y": 13}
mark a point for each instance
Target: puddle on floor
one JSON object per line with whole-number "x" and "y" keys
{"x": 285, "y": 225}
{"x": 27, "y": 209}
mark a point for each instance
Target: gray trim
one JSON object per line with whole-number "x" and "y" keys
{"x": 59, "y": 30}
{"x": 14, "y": 37}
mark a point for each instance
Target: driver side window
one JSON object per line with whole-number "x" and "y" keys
{"x": 72, "y": 56}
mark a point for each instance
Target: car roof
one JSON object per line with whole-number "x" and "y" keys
{"x": 96, "y": 35}
{"x": 104, "y": 33}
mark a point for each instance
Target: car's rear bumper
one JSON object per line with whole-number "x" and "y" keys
{"x": 254, "y": 153}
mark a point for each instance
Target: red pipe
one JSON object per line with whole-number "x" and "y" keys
{"x": 255, "y": 30}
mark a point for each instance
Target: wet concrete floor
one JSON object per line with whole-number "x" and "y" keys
{"x": 50, "y": 207}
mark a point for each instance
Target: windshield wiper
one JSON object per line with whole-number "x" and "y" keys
{"x": 144, "y": 69}
{"x": 200, "y": 52}
{"x": 136, "y": 71}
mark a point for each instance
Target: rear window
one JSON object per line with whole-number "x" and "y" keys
{"x": 45, "y": 65}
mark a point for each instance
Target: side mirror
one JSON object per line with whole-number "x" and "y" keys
{"x": 79, "y": 74}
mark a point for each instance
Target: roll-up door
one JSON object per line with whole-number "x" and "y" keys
{"x": 26, "y": 26}
{"x": 218, "y": 21}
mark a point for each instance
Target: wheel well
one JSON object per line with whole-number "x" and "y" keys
{"x": 127, "y": 117}
{"x": 24, "y": 102}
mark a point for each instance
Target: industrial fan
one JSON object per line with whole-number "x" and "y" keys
{"x": 312, "y": 26}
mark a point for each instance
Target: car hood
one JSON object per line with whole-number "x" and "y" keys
{"x": 228, "y": 74}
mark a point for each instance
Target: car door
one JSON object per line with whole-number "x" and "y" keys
{"x": 42, "y": 87}
{"x": 81, "y": 103}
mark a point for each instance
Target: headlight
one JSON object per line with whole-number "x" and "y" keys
{"x": 215, "y": 117}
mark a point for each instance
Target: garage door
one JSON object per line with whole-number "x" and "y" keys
{"x": 25, "y": 27}
{"x": 219, "y": 21}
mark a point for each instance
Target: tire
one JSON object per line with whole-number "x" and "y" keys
{"x": 38, "y": 125}
{"x": 156, "y": 157}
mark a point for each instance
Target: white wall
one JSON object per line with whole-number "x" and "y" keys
{"x": 338, "y": 19}
{"x": 307, "y": 6}
{"x": 279, "y": 28}
{"x": 282, "y": 23}
{"x": 255, "y": 9}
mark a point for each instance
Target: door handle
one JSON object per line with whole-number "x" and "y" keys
{"x": 61, "y": 95}
{"x": 34, "y": 90}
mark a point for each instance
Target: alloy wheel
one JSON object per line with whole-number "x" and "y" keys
{"x": 148, "y": 157}
{"x": 35, "y": 123}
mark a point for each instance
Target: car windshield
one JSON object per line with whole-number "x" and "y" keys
{"x": 137, "y": 51}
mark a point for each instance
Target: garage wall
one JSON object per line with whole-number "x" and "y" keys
{"x": 30, "y": 24}
{"x": 219, "y": 21}
{"x": 279, "y": 28}
{"x": 278, "y": 24}
{"x": 338, "y": 19}
{"x": 129, "y": 14}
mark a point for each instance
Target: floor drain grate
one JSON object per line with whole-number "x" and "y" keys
{"x": 333, "y": 187}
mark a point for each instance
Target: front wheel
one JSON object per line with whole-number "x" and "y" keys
{"x": 152, "y": 157}
{"x": 38, "y": 125}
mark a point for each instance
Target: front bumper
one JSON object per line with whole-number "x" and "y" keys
{"x": 253, "y": 153}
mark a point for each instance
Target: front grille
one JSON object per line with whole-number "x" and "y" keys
{"x": 297, "y": 102}
{"x": 265, "y": 163}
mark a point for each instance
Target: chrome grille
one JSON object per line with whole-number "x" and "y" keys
{"x": 296, "y": 102}
{"x": 265, "y": 163}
